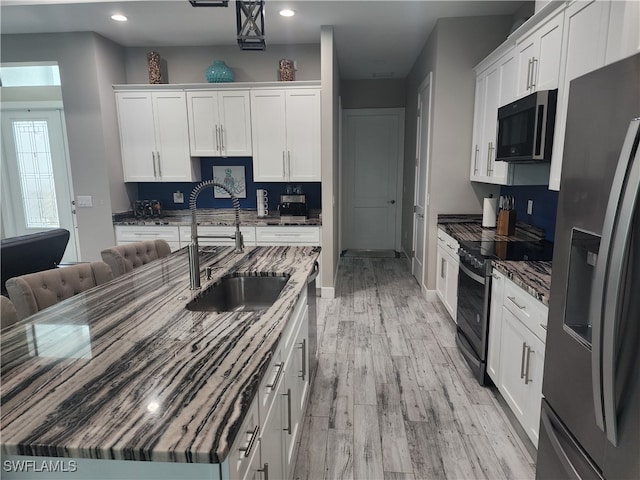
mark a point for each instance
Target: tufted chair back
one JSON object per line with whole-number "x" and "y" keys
{"x": 124, "y": 258}
{"x": 36, "y": 291}
{"x": 7, "y": 312}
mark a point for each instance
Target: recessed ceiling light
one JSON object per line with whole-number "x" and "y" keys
{"x": 119, "y": 18}
{"x": 287, "y": 13}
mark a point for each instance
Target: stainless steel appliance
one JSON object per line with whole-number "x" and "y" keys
{"x": 525, "y": 128}
{"x": 590, "y": 419}
{"x": 474, "y": 293}
{"x": 293, "y": 206}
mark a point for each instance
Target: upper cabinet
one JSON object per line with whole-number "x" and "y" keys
{"x": 154, "y": 137}
{"x": 495, "y": 86}
{"x": 285, "y": 128}
{"x": 219, "y": 123}
{"x": 584, "y": 49}
{"x": 539, "y": 57}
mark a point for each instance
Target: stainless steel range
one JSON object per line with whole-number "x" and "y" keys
{"x": 474, "y": 293}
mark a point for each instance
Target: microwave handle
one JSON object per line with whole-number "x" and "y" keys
{"x": 540, "y": 129}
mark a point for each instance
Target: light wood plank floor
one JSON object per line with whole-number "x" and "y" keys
{"x": 393, "y": 398}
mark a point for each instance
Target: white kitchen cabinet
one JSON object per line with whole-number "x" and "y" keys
{"x": 495, "y": 87}
{"x": 245, "y": 448}
{"x": 285, "y": 128}
{"x": 584, "y": 50}
{"x": 495, "y": 325}
{"x": 219, "y": 123}
{"x": 522, "y": 333}
{"x": 139, "y": 233}
{"x": 447, "y": 277}
{"x": 154, "y": 137}
{"x": 248, "y": 235}
{"x": 271, "y": 438}
{"x": 538, "y": 53}
{"x": 623, "y": 39}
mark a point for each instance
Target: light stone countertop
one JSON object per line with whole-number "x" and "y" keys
{"x": 216, "y": 216}
{"x": 123, "y": 371}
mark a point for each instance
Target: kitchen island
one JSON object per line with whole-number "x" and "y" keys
{"x": 125, "y": 372}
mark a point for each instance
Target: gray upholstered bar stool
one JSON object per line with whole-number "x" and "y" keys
{"x": 37, "y": 291}
{"x": 7, "y": 312}
{"x": 124, "y": 258}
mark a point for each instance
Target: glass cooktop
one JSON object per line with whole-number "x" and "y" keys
{"x": 503, "y": 250}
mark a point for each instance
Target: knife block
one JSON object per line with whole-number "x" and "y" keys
{"x": 506, "y": 222}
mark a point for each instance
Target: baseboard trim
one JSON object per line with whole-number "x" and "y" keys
{"x": 328, "y": 292}
{"x": 430, "y": 295}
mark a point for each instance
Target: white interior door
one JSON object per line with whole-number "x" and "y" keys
{"x": 36, "y": 179}
{"x": 373, "y": 141}
{"x": 421, "y": 180}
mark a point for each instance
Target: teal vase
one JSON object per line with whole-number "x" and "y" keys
{"x": 219, "y": 72}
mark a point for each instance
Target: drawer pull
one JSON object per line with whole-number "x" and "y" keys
{"x": 140, "y": 234}
{"x": 275, "y": 380}
{"x": 252, "y": 440}
{"x": 543, "y": 326}
{"x": 513, "y": 300}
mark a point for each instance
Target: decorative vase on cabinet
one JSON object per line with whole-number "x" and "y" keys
{"x": 219, "y": 72}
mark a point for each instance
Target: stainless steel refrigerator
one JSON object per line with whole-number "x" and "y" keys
{"x": 590, "y": 418}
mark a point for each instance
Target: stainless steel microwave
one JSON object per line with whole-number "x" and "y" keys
{"x": 525, "y": 128}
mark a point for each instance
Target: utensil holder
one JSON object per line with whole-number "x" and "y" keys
{"x": 506, "y": 222}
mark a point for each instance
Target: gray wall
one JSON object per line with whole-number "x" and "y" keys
{"x": 330, "y": 125}
{"x": 84, "y": 90}
{"x": 189, "y": 64}
{"x": 451, "y": 52}
{"x": 387, "y": 93}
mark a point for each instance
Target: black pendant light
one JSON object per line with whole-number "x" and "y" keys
{"x": 250, "y": 24}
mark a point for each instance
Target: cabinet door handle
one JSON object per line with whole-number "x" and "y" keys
{"x": 524, "y": 352}
{"x": 489, "y": 157}
{"x": 527, "y": 380}
{"x": 288, "y": 395}
{"x": 222, "y": 138}
{"x": 303, "y": 347}
{"x": 475, "y": 161}
{"x": 217, "y": 139}
{"x": 513, "y": 300}
{"x": 275, "y": 380}
{"x": 153, "y": 158}
{"x": 284, "y": 167}
{"x": 265, "y": 470}
{"x": 254, "y": 435}
{"x": 442, "y": 262}
{"x": 529, "y": 74}
{"x": 289, "y": 162}
{"x": 534, "y": 61}
{"x": 159, "y": 164}
{"x": 543, "y": 326}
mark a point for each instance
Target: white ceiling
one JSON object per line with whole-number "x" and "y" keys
{"x": 371, "y": 36}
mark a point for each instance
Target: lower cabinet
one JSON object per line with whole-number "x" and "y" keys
{"x": 516, "y": 351}
{"x": 134, "y": 233}
{"x": 281, "y": 401}
{"x": 447, "y": 273}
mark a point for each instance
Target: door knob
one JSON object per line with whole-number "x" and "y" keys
{"x": 391, "y": 202}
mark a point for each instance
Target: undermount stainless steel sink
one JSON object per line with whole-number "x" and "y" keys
{"x": 240, "y": 294}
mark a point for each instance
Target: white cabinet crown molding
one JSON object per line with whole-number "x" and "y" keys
{"x": 218, "y": 86}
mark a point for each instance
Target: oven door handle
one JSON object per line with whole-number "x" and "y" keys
{"x": 472, "y": 275}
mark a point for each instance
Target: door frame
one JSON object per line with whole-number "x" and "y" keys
{"x": 344, "y": 170}
{"x": 8, "y": 218}
{"x": 425, "y": 85}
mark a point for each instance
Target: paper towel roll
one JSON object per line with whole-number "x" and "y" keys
{"x": 489, "y": 212}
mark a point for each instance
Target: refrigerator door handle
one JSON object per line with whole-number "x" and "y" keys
{"x": 557, "y": 446}
{"x": 608, "y": 282}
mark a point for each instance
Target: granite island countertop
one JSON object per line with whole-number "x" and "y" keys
{"x": 123, "y": 371}
{"x": 217, "y": 216}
